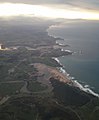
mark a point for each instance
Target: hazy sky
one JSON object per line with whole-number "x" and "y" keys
{"x": 88, "y": 4}
{"x": 72, "y": 9}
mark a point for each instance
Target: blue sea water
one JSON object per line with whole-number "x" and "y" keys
{"x": 83, "y": 38}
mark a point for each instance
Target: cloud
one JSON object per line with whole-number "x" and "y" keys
{"x": 86, "y": 4}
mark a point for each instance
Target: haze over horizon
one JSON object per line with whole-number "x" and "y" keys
{"x": 74, "y": 9}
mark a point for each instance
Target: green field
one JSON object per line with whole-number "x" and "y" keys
{"x": 45, "y": 60}
{"x": 36, "y": 87}
{"x": 10, "y": 88}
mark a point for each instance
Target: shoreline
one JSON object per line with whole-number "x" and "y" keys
{"x": 75, "y": 82}
{"x": 84, "y": 88}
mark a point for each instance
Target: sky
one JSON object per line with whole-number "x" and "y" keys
{"x": 70, "y": 9}
{"x": 88, "y": 4}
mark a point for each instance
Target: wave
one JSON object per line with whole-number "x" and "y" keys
{"x": 57, "y": 60}
{"x": 62, "y": 70}
{"x": 84, "y": 88}
{"x": 66, "y": 50}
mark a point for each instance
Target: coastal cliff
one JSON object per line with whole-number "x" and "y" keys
{"x": 32, "y": 87}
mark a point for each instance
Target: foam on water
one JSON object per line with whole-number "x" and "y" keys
{"x": 88, "y": 90}
{"x": 75, "y": 82}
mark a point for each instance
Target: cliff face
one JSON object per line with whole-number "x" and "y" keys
{"x": 31, "y": 85}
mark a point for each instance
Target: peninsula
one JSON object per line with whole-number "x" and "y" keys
{"x": 32, "y": 87}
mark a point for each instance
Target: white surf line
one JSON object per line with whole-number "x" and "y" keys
{"x": 57, "y": 60}
{"x": 75, "y": 82}
{"x": 67, "y": 50}
{"x": 88, "y": 90}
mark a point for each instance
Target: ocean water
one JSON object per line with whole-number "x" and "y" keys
{"x": 83, "y": 38}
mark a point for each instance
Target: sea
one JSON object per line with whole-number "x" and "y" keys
{"x": 82, "y": 36}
